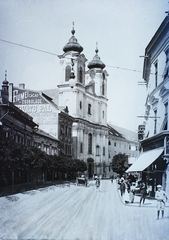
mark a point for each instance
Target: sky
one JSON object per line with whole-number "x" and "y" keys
{"x": 122, "y": 29}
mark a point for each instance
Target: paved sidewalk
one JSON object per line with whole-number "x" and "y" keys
{"x": 149, "y": 202}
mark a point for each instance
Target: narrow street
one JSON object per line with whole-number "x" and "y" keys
{"x": 77, "y": 212}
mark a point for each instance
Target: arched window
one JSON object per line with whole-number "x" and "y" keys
{"x": 67, "y": 73}
{"x": 97, "y": 150}
{"x": 80, "y": 75}
{"x": 103, "y": 88}
{"x": 103, "y": 114}
{"x": 90, "y": 143}
{"x": 89, "y": 109}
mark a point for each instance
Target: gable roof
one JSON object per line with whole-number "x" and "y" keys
{"x": 124, "y": 133}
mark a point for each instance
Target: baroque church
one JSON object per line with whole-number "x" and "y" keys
{"x": 84, "y": 93}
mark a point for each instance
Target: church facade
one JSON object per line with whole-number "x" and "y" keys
{"x": 84, "y": 93}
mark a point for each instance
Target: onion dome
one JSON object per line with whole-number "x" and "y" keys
{"x": 73, "y": 45}
{"x": 96, "y": 62}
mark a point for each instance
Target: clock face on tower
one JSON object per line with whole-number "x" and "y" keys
{"x": 92, "y": 73}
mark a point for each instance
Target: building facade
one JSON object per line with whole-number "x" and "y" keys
{"x": 122, "y": 141}
{"x": 54, "y": 121}
{"x": 20, "y": 126}
{"x": 15, "y": 123}
{"x": 154, "y": 160}
{"x": 86, "y": 100}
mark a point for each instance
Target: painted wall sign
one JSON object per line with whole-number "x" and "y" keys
{"x": 43, "y": 113}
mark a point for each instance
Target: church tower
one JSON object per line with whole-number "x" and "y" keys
{"x": 5, "y": 90}
{"x": 96, "y": 76}
{"x": 73, "y": 81}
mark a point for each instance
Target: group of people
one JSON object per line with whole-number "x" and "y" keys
{"x": 128, "y": 191}
{"x": 125, "y": 190}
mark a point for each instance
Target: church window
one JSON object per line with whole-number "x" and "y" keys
{"x": 103, "y": 151}
{"x": 80, "y": 75}
{"x": 81, "y": 147}
{"x": 103, "y": 114}
{"x": 67, "y": 74}
{"x": 89, "y": 109}
{"x": 90, "y": 143}
{"x": 80, "y": 104}
{"x": 109, "y": 142}
{"x": 103, "y": 88}
{"x": 97, "y": 150}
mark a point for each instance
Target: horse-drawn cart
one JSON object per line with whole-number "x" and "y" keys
{"x": 81, "y": 181}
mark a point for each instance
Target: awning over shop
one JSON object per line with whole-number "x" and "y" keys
{"x": 144, "y": 160}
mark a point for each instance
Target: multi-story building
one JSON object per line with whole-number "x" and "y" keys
{"x": 154, "y": 160}
{"x": 50, "y": 118}
{"x": 21, "y": 127}
{"x": 14, "y": 122}
{"x": 122, "y": 141}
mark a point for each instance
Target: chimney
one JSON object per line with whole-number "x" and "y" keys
{"x": 11, "y": 92}
{"x": 21, "y": 85}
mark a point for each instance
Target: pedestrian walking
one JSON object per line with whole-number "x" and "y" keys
{"x": 161, "y": 198}
{"x": 132, "y": 192}
{"x": 97, "y": 183}
{"x": 122, "y": 187}
{"x": 85, "y": 182}
{"x": 143, "y": 191}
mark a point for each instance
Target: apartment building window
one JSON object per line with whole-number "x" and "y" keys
{"x": 66, "y": 130}
{"x": 165, "y": 121}
{"x": 90, "y": 143}
{"x": 156, "y": 73}
{"x": 166, "y": 115}
{"x": 155, "y": 121}
{"x": 69, "y": 132}
{"x": 66, "y": 149}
